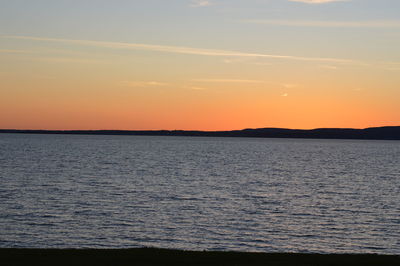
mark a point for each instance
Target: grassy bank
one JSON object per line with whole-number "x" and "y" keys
{"x": 151, "y": 256}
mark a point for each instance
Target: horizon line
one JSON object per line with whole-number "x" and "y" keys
{"x": 191, "y": 130}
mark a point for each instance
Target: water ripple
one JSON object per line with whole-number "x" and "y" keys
{"x": 270, "y": 195}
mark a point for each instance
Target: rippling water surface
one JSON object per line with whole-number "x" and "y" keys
{"x": 290, "y": 195}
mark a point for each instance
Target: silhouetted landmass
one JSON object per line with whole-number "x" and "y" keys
{"x": 153, "y": 256}
{"x": 373, "y": 133}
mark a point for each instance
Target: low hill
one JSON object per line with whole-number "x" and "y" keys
{"x": 373, "y": 133}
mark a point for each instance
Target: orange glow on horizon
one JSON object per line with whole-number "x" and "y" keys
{"x": 188, "y": 92}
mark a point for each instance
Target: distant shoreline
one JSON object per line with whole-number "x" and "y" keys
{"x": 155, "y": 256}
{"x": 373, "y": 133}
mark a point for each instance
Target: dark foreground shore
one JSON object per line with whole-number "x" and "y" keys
{"x": 152, "y": 256}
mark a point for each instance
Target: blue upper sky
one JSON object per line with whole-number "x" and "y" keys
{"x": 228, "y": 24}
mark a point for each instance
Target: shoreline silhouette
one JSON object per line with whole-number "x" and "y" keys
{"x": 372, "y": 133}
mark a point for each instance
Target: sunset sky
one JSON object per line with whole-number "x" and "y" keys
{"x": 199, "y": 65}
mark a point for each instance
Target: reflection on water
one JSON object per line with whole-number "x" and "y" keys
{"x": 269, "y": 195}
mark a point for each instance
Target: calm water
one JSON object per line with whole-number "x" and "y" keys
{"x": 200, "y": 193}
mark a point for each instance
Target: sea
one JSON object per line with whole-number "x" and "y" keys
{"x": 200, "y": 193}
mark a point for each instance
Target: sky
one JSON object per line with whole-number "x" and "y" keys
{"x": 199, "y": 65}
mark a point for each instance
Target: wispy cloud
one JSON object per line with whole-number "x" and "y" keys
{"x": 317, "y": 1}
{"x": 181, "y": 50}
{"x": 261, "y": 64}
{"x": 393, "y": 68}
{"x": 331, "y": 24}
{"x": 328, "y": 67}
{"x": 196, "y": 88}
{"x": 58, "y": 59}
{"x": 248, "y": 81}
{"x": 235, "y": 60}
{"x": 12, "y": 51}
{"x": 289, "y": 85}
{"x": 201, "y": 3}
{"x": 39, "y": 55}
{"x": 228, "y": 81}
{"x": 393, "y": 63}
{"x": 143, "y": 84}
{"x": 246, "y": 60}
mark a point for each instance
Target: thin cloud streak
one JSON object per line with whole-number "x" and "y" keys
{"x": 68, "y": 60}
{"x": 330, "y": 24}
{"x": 12, "y": 51}
{"x": 328, "y": 67}
{"x": 228, "y": 80}
{"x": 143, "y": 84}
{"x": 289, "y": 86}
{"x": 39, "y": 55}
{"x": 195, "y": 88}
{"x": 317, "y": 1}
{"x": 36, "y": 55}
{"x": 201, "y": 3}
{"x": 181, "y": 50}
